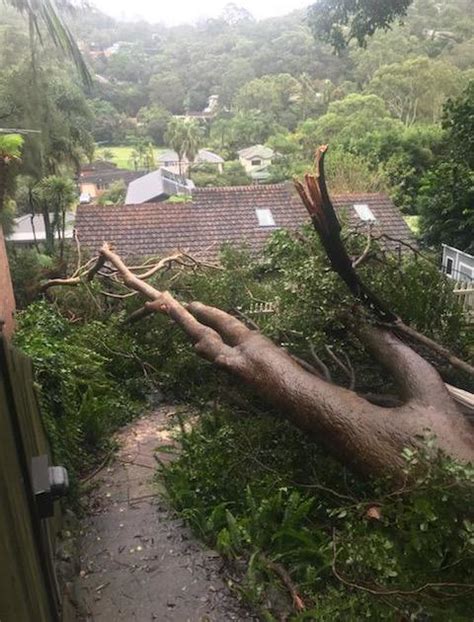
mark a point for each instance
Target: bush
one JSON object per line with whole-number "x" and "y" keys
{"x": 86, "y": 382}
{"x": 258, "y": 490}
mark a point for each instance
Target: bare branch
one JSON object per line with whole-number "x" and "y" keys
{"x": 78, "y": 249}
{"x": 404, "y": 329}
{"x": 315, "y": 197}
{"x": 279, "y": 570}
{"x": 346, "y": 368}
{"x": 360, "y": 260}
{"x": 118, "y": 296}
{"x": 324, "y": 368}
{"x": 167, "y": 261}
{"x": 246, "y": 319}
{"x": 85, "y": 272}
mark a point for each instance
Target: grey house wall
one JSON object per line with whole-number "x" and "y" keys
{"x": 458, "y": 265}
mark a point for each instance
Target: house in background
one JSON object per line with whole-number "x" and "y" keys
{"x": 208, "y": 113}
{"x": 256, "y": 160}
{"x": 95, "y": 178}
{"x": 457, "y": 264}
{"x": 238, "y": 215}
{"x": 28, "y": 232}
{"x": 169, "y": 160}
{"x": 157, "y": 186}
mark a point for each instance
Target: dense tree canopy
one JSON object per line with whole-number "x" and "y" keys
{"x": 380, "y": 106}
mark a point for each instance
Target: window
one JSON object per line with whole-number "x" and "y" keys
{"x": 265, "y": 218}
{"x": 256, "y": 162}
{"x": 364, "y": 212}
{"x": 449, "y": 265}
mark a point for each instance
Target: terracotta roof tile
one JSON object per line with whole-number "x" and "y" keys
{"x": 216, "y": 216}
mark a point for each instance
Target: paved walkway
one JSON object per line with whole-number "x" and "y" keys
{"x": 139, "y": 562}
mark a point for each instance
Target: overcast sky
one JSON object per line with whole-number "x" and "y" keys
{"x": 173, "y": 12}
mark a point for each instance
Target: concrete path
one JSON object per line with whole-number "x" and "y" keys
{"x": 139, "y": 562}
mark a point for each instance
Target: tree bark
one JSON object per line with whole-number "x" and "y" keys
{"x": 367, "y": 437}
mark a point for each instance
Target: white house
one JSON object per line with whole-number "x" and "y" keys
{"x": 256, "y": 160}
{"x": 457, "y": 264}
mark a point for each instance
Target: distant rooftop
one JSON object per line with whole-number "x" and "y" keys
{"x": 157, "y": 186}
{"x": 256, "y": 151}
{"x": 203, "y": 155}
{"x": 25, "y": 231}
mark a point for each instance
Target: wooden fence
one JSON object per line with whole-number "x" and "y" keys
{"x": 29, "y": 590}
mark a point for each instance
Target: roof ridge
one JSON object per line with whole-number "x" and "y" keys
{"x": 246, "y": 187}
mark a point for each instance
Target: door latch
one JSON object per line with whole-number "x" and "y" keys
{"x": 49, "y": 483}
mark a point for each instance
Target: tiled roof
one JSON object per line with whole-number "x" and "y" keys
{"x": 203, "y": 155}
{"x": 108, "y": 176}
{"x": 215, "y": 216}
{"x": 256, "y": 151}
{"x": 97, "y": 165}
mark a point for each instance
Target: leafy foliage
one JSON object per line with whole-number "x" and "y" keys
{"x": 44, "y": 13}
{"x": 87, "y": 382}
{"x": 447, "y": 192}
{"x": 233, "y": 174}
{"x": 340, "y": 21}
{"x": 114, "y": 195}
{"x": 259, "y": 490}
{"x": 445, "y": 204}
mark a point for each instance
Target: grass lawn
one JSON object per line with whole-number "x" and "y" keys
{"x": 414, "y": 223}
{"x": 122, "y": 155}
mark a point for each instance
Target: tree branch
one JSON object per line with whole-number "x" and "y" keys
{"x": 360, "y": 260}
{"x": 315, "y": 197}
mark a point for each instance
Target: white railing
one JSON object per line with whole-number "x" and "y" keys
{"x": 261, "y": 308}
{"x": 464, "y": 292}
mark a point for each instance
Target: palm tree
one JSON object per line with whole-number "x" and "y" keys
{"x": 45, "y": 13}
{"x": 54, "y": 195}
{"x": 185, "y": 137}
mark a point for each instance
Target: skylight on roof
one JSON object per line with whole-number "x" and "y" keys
{"x": 364, "y": 212}
{"x": 265, "y": 218}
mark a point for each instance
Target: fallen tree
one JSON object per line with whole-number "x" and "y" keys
{"x": 368, "y": 437}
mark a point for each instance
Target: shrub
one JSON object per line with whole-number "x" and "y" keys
{"x": 258, "y": 490}
{"x": 85, "y": 382}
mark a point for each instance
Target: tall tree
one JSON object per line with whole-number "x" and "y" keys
{"x": 447, "y": 191}
{"x": 55, "y": 195}
{"x": 340, "y": 21}
{"x": 185, "y": 137}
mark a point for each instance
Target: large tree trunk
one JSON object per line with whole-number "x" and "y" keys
{"x": 367, "y": 437}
